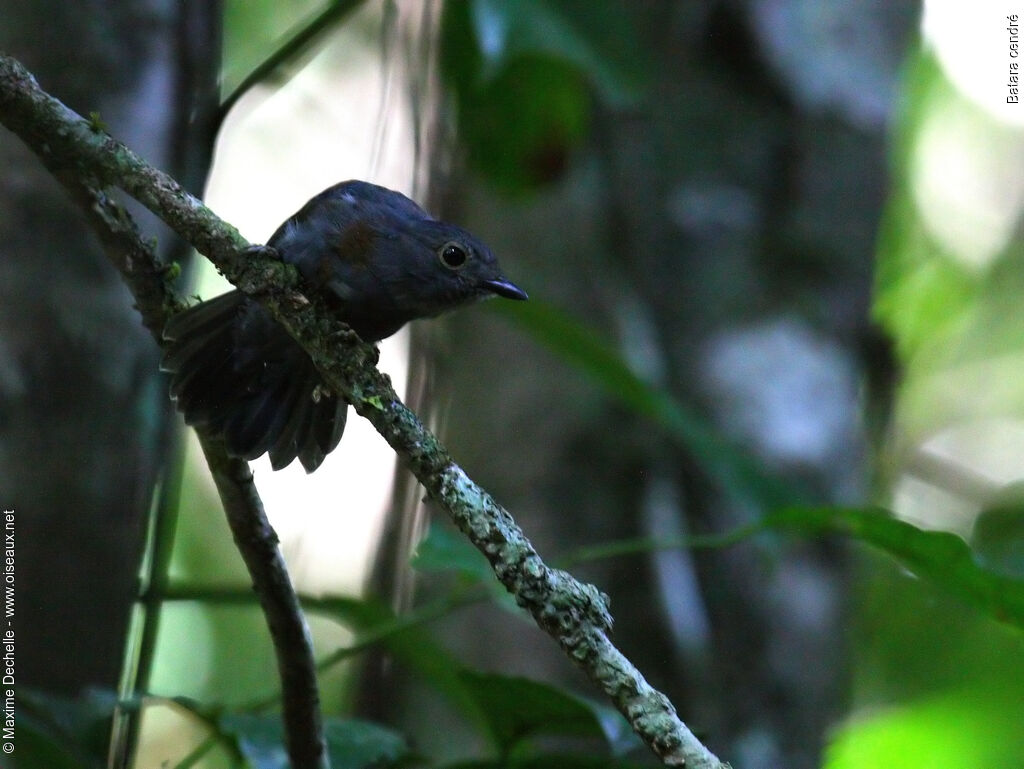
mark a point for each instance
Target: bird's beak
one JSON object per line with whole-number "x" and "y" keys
{"x": 505, "y": 288}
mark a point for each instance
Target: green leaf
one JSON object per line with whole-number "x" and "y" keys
{"x": 949, "y": 271}
{"x": 517, "y": 709}
{"x": 55, "y": 732}
{"x": 920, "y": 290}
{"x": 38, "y": 749}
{"x": 375, "y": 401}
{"x": 597, "y": 39}
{"x": 581, "y": 348}
{"x": 259, "y": 739}
{"x": 351, "y": 743}
{"x": 552, "y": 761}
{"x": 963, "y": 730}
{"x": 254, "y": 29}
{"x": 262, "y": 37}
{"x": 444, "y": 550}
{"x": 412, "y": 646}
{"x": 942, "y": 558}
{"x": 998, "y": 534}
{"x": 524, "y": 73}
{"x": 505, "y": 709}
{"x": 522, "y": 126}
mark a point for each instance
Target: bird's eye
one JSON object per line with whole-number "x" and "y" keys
{"x": 453, "y": 256}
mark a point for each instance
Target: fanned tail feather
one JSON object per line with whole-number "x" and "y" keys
{"x": 238, "y": 373}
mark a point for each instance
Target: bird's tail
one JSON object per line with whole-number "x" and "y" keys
{"x": 237, "y": 373}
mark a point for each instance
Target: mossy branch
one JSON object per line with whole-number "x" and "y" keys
{"x": 573, "y": 613}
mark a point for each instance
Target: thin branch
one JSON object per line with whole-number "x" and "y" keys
{"x": 286, "y": 52}
{"x": 575, "y": 614}
{"x": 256, "y": 540}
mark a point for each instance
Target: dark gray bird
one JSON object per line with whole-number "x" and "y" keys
{"x": 379, "y": 260}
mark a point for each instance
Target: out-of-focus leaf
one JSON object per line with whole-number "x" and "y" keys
{"x": 918, "y": 289}
{"x": 38, "y": 749}
{"x": 506, "y": 709}
{"x": 261, "y": 36}
{"x": 965, "y": 730}
{"x": 410, "y": 645}
{"x": 351, "y": 744}
{"x": 54, "y": 732}
{"x": 949, "y": 274}
{"x": 516, "y": 709}
{"x": 260, "y": 739}
{"x": 940, "y": 557}
{"x": 253, "y": 29}
{"x": 442, "y": 550}
{"x": 998, "y": 535}
{"x": 522, "y": 126}
{"x": 552, "y": 761}
{"x": 523, "y": 73}
{"x": 578, "y": 346}
{"x": 596, "y": 38}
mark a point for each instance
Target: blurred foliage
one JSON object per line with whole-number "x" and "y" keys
{"x": 351, "y": 744}
{"x": 524, "y": 74}
{"x": 972, "y": 729}
{"x": 254, "y": 27}
{"x": 935, "y": 685}
{"x": 949, "y": 273}
{"x": 56, "y": 732}
{"x": 516, "y": 709}
{"x": 512, "y": 713}
{"x": 998, "y": 534}
{"x": 444, "y": 550}
{"x": 286, "y": 30}
{"x": 942, "y": 558}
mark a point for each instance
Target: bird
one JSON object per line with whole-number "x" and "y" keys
{"x": 378, "y": 260}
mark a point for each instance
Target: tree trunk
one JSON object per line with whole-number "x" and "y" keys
{"x": 84, "y": 411}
